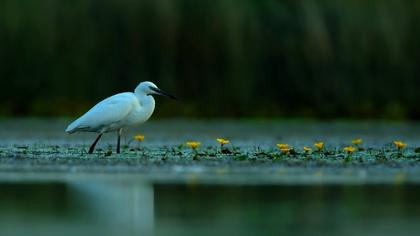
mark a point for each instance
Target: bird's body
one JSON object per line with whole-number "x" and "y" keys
{"x": 117, "y": 112}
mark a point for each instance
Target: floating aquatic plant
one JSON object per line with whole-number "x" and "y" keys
{"x": 139, "y": 137}
{"x": 400, "y": 145}
{"x": 349, "y": 149}
{"x": 307, "y": 149}
{"x": 319, "y": 145}
{"x": 222, "y": 141}
{"x": 193, "y": 144}
{"x": 282, "y": 145}
{"x": 284, "y": 148}
{"x": 357, "y": 141}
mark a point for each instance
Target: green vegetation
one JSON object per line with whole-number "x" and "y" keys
{"x": 132, "y": 158}
{"x": 281, "y": 58}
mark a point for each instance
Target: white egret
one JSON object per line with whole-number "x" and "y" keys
{"x": 119, "y": 111}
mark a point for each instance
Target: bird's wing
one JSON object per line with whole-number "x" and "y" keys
{"x": 108, "y": 112}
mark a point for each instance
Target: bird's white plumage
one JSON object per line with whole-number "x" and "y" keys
{"x": 118, "y": 111}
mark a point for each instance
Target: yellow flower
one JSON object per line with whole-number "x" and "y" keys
{"x": 356, "y": 141}
{"x": 286, "y": 150}
{"x": 399, "y": 144}
{"x": 319, "y": 145}
{"x": 222, "y": 141}
{"x": 349, "y": 149}
{"x": 282, "y": 145}
{"x": 193, "y": 144}
{"x": 307, "y": 149}
{"x": 139, "y": 137}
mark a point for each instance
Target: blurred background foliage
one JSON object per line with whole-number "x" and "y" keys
{"x": 224, "y": 58}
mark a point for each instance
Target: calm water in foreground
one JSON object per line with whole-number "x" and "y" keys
{"x": 103, "y": 208}
{"x": 111, "y": 204}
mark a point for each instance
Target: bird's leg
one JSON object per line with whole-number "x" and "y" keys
{"x": 119, "y": 140}
{"x": 92, "y": 147}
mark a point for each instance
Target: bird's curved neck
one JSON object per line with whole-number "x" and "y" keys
{"x": 146, "y": 101}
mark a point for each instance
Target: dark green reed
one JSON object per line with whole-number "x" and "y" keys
{"x": 306, "y": 58}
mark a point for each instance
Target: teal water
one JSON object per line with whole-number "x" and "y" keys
{"x": 101, "y": 208}
{"x": 241, "y": 133}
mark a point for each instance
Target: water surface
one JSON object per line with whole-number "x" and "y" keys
{"x": 49, "y": 186}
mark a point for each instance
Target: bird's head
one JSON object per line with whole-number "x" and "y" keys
{"x": 149, "y": 88}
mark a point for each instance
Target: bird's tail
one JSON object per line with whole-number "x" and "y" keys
{"x": 72, "y": 128}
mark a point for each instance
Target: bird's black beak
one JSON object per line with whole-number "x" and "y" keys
{"x": 163, "y": 93}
